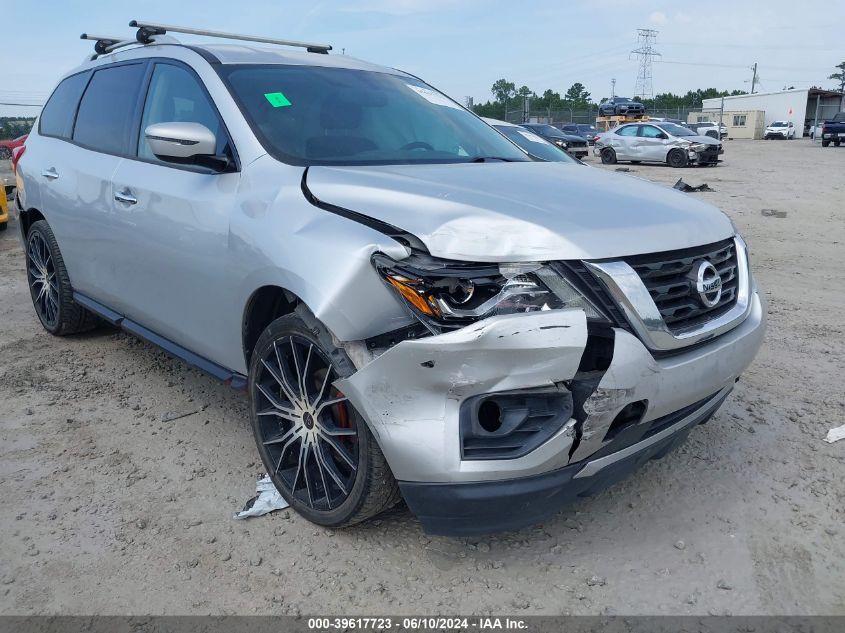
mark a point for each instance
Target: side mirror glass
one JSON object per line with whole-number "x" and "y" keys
{"x": 180, "y": 141}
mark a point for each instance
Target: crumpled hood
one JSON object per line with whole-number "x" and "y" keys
{"x": 528, "y": 211}
{"x": 707, "y": 140}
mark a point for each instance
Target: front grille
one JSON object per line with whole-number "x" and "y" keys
{"x": 667, "y": 276}
{"x": 578, "y": 144}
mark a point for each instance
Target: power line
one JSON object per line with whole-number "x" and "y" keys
{"x": 646, "y": 53}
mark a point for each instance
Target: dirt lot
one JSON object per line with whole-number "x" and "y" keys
{"x": 113, "y": 506}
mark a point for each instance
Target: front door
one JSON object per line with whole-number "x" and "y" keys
{"x": 171, "y": 225}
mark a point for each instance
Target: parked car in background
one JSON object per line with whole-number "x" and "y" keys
{"x": 4, "y": 207}
{"x": 780, "y": 129}
{"x": 416, "y": 308}
{"x": 7, "y": 146}
{"x": 675, "y": 145}
{"x": 572, "y": 143}
{"x": 709, "y": 128}
{"x": 833, "y": 131}
{"x": 533, "y": 145}
{"x": 584, "y": 130}
{"x": 617, "y": 106}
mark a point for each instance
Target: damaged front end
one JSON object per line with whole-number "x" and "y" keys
{"x": 519, "y": 390}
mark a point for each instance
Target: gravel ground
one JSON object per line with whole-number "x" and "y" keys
{"x": 112, "y": 504}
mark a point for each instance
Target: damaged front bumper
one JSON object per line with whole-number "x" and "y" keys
{"x": 414, "y": 397}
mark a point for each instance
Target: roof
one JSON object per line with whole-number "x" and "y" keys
{"x": 812, "y": 92}
{"x": 246, "y": 54}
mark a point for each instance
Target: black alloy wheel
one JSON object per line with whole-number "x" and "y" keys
{"x": 316, "y": 447}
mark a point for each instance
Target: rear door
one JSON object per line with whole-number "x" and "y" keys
{"x": 171, "y": 224}
{"x": 625, "y": 142}
{"x": 76, "y": 177}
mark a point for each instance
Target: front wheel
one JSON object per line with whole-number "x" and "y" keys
{"x": 608, "y": 156}
{"x": 315, "y": 446}
{"x": 677, "y": 158}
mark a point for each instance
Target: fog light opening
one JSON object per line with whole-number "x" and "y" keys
{"x": 490, "y": 416}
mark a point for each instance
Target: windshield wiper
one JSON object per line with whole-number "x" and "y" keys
{"x": 484, "y": 159}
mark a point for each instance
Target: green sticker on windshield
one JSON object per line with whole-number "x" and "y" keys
{"x": 277, "y": 99}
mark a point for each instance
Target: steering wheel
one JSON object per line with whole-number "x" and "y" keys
{"x": 418, "y": 145}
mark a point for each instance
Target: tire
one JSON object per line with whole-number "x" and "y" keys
{"x": 49, "y": 285}
{"x": 317, "y": 449}
{"x": 677, "y": 158}
{"x": 836, "y": 143}
{"x": 825, "y": 143}
{"x": 4, "y": 226}
{"x": 608, "y": 156}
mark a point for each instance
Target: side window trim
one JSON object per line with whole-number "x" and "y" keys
{"x": 153, "y": 62}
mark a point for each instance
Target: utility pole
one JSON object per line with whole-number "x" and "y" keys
{"x": 612, "y": 88}
{"x": 753, "y": 77}
{"x": 646, "y": 53}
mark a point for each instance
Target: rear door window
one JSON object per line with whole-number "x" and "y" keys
{"x": 107, "y": 109}
{"x": 57, "y": 116}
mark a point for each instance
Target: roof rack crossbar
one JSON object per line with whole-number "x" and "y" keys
{"x": 106, "y": 43}
{"x": 148, "y": 29}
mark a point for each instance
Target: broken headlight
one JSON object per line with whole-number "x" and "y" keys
{"x": 445, "y": 294}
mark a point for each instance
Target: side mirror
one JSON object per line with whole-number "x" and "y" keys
{"x": 180, "y": 141}
{"x": 663, "y": 135}
{"x": 188, "y": 144}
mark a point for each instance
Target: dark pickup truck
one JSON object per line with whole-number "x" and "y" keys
{"x": 834, "y": 130}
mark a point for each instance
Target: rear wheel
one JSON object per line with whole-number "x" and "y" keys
{"x": 836, "y": 143}
{"x": 677, "y": 158}
{"x": 49, "y": 285}
{"x": 825, "y": 143}
{"x": 315, "y": 446}
{"x": 608, "y": 156}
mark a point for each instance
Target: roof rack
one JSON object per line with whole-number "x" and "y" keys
{"x": 146, "y": 31}
{"x": 106, "y": 43}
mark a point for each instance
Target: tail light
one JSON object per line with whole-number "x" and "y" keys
{"x": 17, "y": 153}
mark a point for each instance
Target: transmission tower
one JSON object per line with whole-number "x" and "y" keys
{"x": 646, "y": 53}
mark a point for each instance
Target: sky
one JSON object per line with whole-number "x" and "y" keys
{"x": 463, "y": 46}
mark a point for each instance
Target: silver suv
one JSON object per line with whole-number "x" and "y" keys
{"x": 416, "y": 308}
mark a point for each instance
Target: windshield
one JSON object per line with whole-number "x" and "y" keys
{"x": 677, "y": 130}
{"x": 309, "y": 115}
{"x": 588, "y": 129}
{"x": 779, "y": 124}
{"x": 548, "y": 130}
{"x": 534, "y": 144}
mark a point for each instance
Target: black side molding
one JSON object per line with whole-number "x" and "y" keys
{"x": 233, "y": 379}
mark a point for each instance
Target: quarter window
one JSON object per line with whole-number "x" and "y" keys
{"x": 57, "y": 117}
{"x": 108, "y": 107}
{"x": 175, "y": 96}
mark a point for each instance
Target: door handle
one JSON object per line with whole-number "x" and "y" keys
{"x": 51, "y": 173}
{"x": 126, "y": 197}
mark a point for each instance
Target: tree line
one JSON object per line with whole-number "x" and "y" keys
{"x": 507, "y": 98}
{"x": 15, "y": 126}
